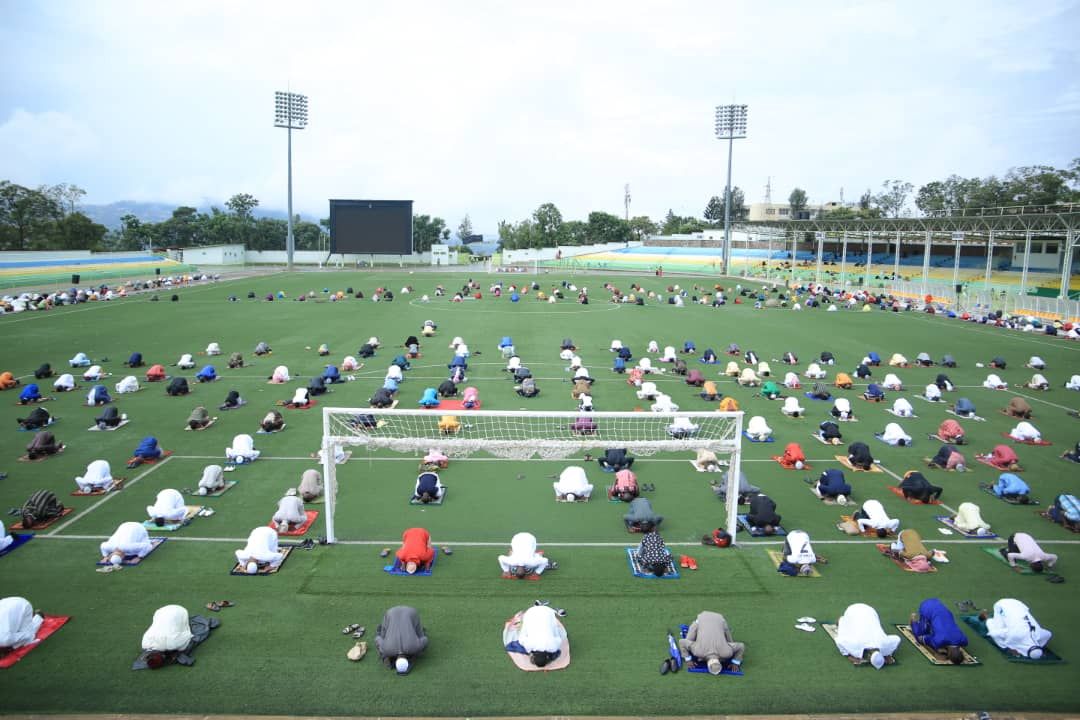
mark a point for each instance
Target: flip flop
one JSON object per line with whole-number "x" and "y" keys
{"x": 384, "y": 552}
{"x": 684, "y": 561}
{"x": 692, "y": 563}
{"x": 447, "y": 550}
{"x": 350, "y": 629}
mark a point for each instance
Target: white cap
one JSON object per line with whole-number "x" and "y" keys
{"x": 1035, "y": 653}
{"x": 877, "y": 660}
{"x": 401, "y": 665}
{"x": 116, "y": 559}
{"x": 202, "y": 491}
{"x": 841, "y": 499}
{"x": 798, "y": 464}
{"x": 252, "y": 567}
{"x": 571, "y": 497}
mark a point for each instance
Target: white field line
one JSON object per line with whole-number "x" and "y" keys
{"x": 109, "y": 496}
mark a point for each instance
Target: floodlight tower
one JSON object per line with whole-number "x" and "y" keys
{"x": 730, "y": 125}
{"x": 290, "y": 112}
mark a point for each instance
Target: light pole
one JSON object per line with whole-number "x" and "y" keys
{"x": 730, "y": 125}
{"x": 290, "y": 112}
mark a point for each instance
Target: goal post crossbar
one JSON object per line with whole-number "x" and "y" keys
{"x": 523, "y": 435}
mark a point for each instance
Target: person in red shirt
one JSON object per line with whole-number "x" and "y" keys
{"x": 415, "y": 552}
{"x": 1004, "y": 458}
{"x": 793, "y": 457}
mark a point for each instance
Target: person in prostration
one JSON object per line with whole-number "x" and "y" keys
{"x": 401, "y": 638}
{"x": 261, "y": 551}
{"x": 859, "y": 630}
{"x": 935, "y": 627}
{"x": 524, "y": 560}
{"x": 167, "y": 508}
{"x": 129, "y": 540}
{"x": 19, "y": 623}
{"x": 709, "y": 638}
{"x": 416, "y": 552}
{"x": 290, "y": 512}
{"x": 1014, "y": 629}
{"x": 572, "y": 484}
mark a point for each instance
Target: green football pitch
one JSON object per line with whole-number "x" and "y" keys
{"x": 281, "y": 651}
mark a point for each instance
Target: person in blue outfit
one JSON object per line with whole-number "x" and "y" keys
{"x": 874, "y": 393}
{"x": 207, "y": 374}
{"x": 832, "y": 484}
{"x": 689, "y": 347}
{"x": 1011, "y": 487}
{"x": 390, "y": 384}
{"x": 430, "y": 398}
{"x": 30, "y": 394}
{"x": 135, "y": 360}
{"x": 402, "y": 362}
{"x": 935, "y": 627}
{"x": 99, "y": 395}
{"x": 428, "y": 488}
{"x": 964, "y": 408}
{"x": 331, "y": 374}
{"x": 147, "y": 450}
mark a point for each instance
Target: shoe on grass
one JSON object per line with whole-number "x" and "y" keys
{"x": 806, "y": 620}
{"x": 805, "y": 627}
{"x": 384, "y": 552}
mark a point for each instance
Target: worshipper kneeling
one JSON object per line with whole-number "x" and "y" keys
{"x": 400, "y": 638}
{"x": 1014, "y": 629}
{"x": 8, "y": 381}
{"x": 872, "y": 516}
{"x": 745, "y": 489}
{"x": 652, "y": 553}
{"x": 572, "y": 485}
{"x": 37, "y": 418}
{"x": 290, "y": 512}
{"x": 186, "y": 362}
{"x": 947, "y": 458}
{"x": 30, "y": 394}
{"x": 98, "y": 395}
{"x": 964, "y": 408}
{"x": 129, "y": 540}
{"x": 841, "y": 409}
{"x": 212, "y": 480}
{"x": 232, "y": 400}
{"x": 902, "y": 407}
{"x": 968, "y": 519}
{"x": 642, "y": 516}
{"x": 147, "y": 450}
{"x": 1011, "y": 487}
{"x": 615, "y": 459}
{"x": 793, "y": 456}
{"x": 758, "y": 430}
{"x": 272, "y": 422}
{"x": 770, "y": 390}
{"x": 1022, "y": 546}
{"x": 833, "y": 485}
{"x": 799, "y": 552}
{"x": 830, "y": 432}
{"x": 428, "y": 488}
{"x": 416, "y": 552}
{"x": 892, "y": 382}
{"x": 261, "y": 551}
{"x": 1018, "y": 408}
{"x": 435, "y": 458}
{"x": 895, "y": 435}
{"x": 859, "y": 630}
{"x": 1003, "y": 458}
{"x": 44, "y": 443}
{"x": 80, "y": 360}
{"x": 300, "y": 399}
{"x": 909, "y": 545}
{"x": 242, "y": 450}
{"x": 64, "y": 383}
{"x": 311, "y": 485}
{"x": 94, "y": 373}
{"x": 1025, "y": 432}
{"x": 207, "y": 374}
{"x": 541, "y": 634}
{"x": 915, "y": 486}
{"x": 748, "y": 378}
{"x": 199, "y": 418}
{"x": 625, "y": 487}
{"x": 859, "y": 456}
{"x": 177, "y": 386}
{"x": 430, "y": 398}
{"x": 167, "y": 508}
{"x": 19, "y": 623}
{"x": 170, "y": 639}
{"x": 523, "y": 559}
{"x": 935, "y": 627}
{"x": 762, "y": 514}
{"x": 317, "y": 386}
{"x": 707, "y": 460}
{"x": 280, "y": 375}
{"x": 874, "y": 393}
{"x": 791, "y": 407}
{"x": 709, "y": 391}
{"x": 156, "y": 373}
{"x": 709, "y": 640}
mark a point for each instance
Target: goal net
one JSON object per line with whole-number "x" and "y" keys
{"x": 523, "y": 435}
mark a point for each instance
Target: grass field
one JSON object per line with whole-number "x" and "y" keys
{"x": 280, "y": 651}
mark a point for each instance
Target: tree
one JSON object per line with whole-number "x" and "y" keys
{"x": 641, "y": 227}
{"x": 739, "y": 211}
{"x": 893, "y": 197}
{"x": 28, "y": 218}
{"x": 604, "y": 227}
{"x": 134, "y": 235}
{"x": 78, "y": 232}
{"x": 797, "y": 202}
{"x": 427, "y": 231}
{"x": 549, "y": 225}
{"x": 671, "y": 223}
{"x": 242, "y": 205}
{"x": 714, "y": 209}
{"x": 866, "y": 200}
{"x": 464, "y": 229}
{"x": 575, "y": 232}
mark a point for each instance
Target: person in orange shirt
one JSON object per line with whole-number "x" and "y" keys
{"x": 415, "y": 552}
{"x": 8, "y": 381}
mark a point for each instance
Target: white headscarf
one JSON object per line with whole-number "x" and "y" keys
{"x": 18, "y": 623}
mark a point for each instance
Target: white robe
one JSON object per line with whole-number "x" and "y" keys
{"x": 541, "y": 630}
{"x": 585, "y": 402}
{"x": 992, "y": 382}
{"x": 129, "y": 384}
{"x": 262, "y": 547}
{"x": 349, "y": 363}
{"x": 581, "y": 372}
{"x": 64, "y": 382}
{"x": 300, "y": 397}
{"x": 669, "y": 354}
{"x": 1038, "y": 380}
{"x": 281, "y": 374}
{"x": 213, "y": 349}
{"x": 748, "y": 377}
{"x": 802, "y": 552}
{"x": 664, "y": 404}
{"x": 648, "y": 391}
{"x": 462, "y": 350}
{"x": 374, "y": 341}
{"x": 80, "y": 359}
{"x": 290, "y": 509}
{"x": 876, "y": 517}
{"x": 5, "y": 537}
{"x": 1012, "y": 627}
{"x": 1037, "y": 362}
{"x": 645, "y": 365}
{"x": 573, "y": 480}
{"x": 902, "y": 407}
{"x": 130, "y": 538}
{"x": 186, "y": 362}
{"x": 932, "y": 392}
{"x": 1025, "y": 431}
{"x": 894, "y": 434}
{"x": 170, "y": 630}
{"x": 791, "y": 406}
{"x": 892, "y": 382}
{"x": 394, "y": 373}
{"x": 653, "y": 347}
{"x": 212, "y": 478}
{"x": 763, "y": 369}
{"x": 98, "y": 475}
{"x": 791, "y": 380}
{"x": 18, "y": 623}
{"x": 94, "y": 372}
{"x": 523, "y": 553}
{"x": 732, "y": 369}
{"x": 859, "y": 629}
{"x": 757, "y": 428}
{"x": 169, "y": 505}
{"x": 616, "y": 345}
{"x": 843, "y": 406}
{"x": 243, "y": 446}
{"x": 311, "y": 483}
{"x": 513, "y": 363}
{"x": 969, "y": 518}
{"x": 1074, "y": 383}
{"x": 815, "y": 372}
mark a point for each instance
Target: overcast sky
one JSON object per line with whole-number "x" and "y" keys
{"x": 493, "y": 108}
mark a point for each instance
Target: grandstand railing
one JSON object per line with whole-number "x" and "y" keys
{"x": 982, "y": 299}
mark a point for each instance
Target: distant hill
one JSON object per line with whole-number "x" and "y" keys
{"x": 109, "y": 215}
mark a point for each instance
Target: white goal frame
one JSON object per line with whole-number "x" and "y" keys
{"x": 723, "y": 436}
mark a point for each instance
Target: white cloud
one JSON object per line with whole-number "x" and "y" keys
{"x": 37, "y": 146}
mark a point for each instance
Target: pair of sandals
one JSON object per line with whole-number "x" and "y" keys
{"x": 306, "y": 544}
{"x": 685, "y": 561}
{"x": 356, "y": 630}
{"x": 217, "y": 605}
{"x": 647, "y": 487}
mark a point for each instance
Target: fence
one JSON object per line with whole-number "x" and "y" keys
{"x": 972, "y": 299}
